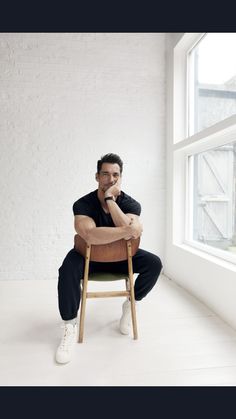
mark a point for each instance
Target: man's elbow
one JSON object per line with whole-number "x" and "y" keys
{"x": 87, "y": 235}
{"x": 82, "y": 233}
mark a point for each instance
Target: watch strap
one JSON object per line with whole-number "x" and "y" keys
{"x": 108, "y": 198}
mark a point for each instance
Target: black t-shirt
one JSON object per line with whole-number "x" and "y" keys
{"x": 90, "y": 205}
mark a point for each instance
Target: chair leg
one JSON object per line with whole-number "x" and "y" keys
{"x": 84, "y": 295}
{"x": 131, "y": 287}
{"x": 82, "y": 313}
{"x": 133, "y": 310}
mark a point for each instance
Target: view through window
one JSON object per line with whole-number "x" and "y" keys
{"x": 214, "y": 197}
{"x": 212, "y": 98}
{"x": 212, "y": 80}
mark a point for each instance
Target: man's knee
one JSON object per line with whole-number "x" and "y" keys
{"x": 72, "y": 264}
{"x": 154, "y": 263}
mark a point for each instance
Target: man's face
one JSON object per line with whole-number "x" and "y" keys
{"x": 108, "y": 175}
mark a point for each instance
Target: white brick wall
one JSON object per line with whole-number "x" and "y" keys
{"x": 65, "y": 100}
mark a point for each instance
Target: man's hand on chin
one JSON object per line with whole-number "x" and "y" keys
{"x": 113, "y": 190}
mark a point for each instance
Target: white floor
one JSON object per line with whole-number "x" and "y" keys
{"x": 181, "y": 342}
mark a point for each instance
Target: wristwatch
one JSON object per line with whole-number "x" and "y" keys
{"x": 108, "y": 197}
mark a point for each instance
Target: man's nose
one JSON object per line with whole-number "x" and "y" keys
{"x": 111, "y": 178}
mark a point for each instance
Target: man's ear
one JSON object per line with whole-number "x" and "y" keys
{"x": 96, "y": 176}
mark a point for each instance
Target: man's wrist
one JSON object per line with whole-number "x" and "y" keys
{"x": 107, "y": 194}
{"x": 109, "y": 198}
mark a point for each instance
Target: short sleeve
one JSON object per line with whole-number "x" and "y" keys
{"x": 81, "y": 207}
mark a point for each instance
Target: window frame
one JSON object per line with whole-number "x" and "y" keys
{"x": 185, "y": 145}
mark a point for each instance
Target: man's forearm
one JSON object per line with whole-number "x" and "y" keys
{"x": 104, "y": 235}
{"x": 117, "y": 215}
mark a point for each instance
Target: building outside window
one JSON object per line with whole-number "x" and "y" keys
{"x": 212, "y": 80}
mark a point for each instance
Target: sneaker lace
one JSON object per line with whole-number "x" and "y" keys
{"x": 67, "y": 338}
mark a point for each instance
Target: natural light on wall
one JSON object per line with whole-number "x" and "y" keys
{"x": 209, "y": 145}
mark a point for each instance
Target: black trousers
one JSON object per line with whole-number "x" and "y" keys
{"x": 71, "y": 272}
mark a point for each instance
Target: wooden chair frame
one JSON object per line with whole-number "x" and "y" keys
{"x": 111, "y": 252}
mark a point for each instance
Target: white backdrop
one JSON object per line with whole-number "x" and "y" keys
{"x": 65, "y": 100}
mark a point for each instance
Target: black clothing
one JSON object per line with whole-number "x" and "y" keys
{"x": 145, "y": 263}
{"x": 90, "y": 205}
{"x": 71, "y": 272}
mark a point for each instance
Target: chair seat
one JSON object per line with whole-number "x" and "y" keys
{"x": 107, "y": 276}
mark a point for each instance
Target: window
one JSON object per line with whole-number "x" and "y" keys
{"x": 212, "y": 80}
{"x": 213, "y": 195}
{"x": 204, "y": 144}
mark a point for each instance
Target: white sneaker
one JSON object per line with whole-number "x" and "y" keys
{"x": 65, "y": 349}
{"x": 126, "y": 319}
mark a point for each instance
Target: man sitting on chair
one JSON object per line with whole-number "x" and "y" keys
{"x": 103, "y": 216}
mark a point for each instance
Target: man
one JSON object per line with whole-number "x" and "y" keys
{"x": 103, "y": 216}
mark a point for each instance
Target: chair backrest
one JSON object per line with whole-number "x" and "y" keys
{"x": 110, "y": 252}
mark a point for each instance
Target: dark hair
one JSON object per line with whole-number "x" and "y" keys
{"x": 110, "y": 158}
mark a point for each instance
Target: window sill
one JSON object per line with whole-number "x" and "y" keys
{"x": 219, "y": 257}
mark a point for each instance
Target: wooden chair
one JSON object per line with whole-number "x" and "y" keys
{"x": 111, "y": 252}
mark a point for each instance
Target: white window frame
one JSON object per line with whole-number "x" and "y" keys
{"x": 185, "y": 145}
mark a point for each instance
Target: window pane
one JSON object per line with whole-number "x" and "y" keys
{"x": 212, "y": 80}
{"x": 214, "y": 199}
